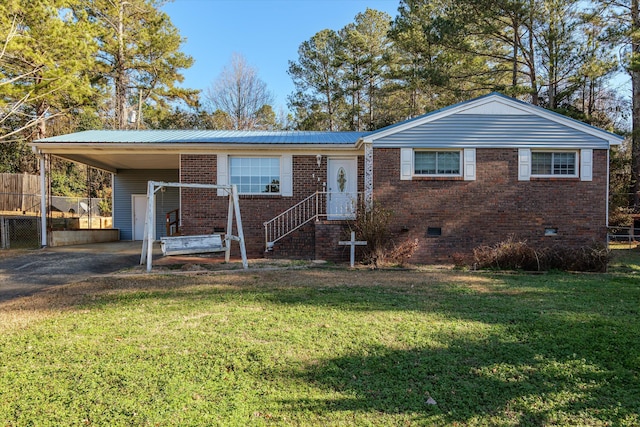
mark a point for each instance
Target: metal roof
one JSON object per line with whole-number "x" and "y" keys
{"x": 207, "y": 137}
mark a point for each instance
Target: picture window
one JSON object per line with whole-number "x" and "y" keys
{"x": 255, "y": 175}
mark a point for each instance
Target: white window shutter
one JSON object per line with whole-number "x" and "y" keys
{"x": 286, "y": 174}
{"x": 406, "y": 164}
{"x": 223, "y": 173}
{"x": 586, "y": 165}
{"x": 469, "y": 164}
{"x": 524, "y": 164}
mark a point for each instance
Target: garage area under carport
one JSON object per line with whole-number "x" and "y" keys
{"x": 133, "y": 158}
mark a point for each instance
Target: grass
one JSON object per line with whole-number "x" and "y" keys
{"x": 327, "y": 347}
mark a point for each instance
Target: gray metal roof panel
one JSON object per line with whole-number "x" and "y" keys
{"x": 206, "y": 137}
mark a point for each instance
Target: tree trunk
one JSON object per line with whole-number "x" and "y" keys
{"x": 635, "y": 87}
{"x": 120, "y": 75}
{"x": 532, "y": 72}
{"x": 553, "y": 71}
{"x": 371, "y": 103}
{"x": 514, "y": 71}
{"x": 41, "y": 111}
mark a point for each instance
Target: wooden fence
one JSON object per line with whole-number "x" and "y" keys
{"x": 19, "y": 192}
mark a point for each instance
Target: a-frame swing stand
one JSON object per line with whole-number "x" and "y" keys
{"x": 234, "y": 208}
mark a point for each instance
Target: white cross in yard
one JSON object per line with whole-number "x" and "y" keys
{"x": 353, "y": 243}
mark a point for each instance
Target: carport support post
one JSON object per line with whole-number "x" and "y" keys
{"x": 149, "y": 228}
{"x": 43, "y": 201}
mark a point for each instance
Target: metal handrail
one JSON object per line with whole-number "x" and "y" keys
{"x": 311, "y": 208}
{"x": 290, "y": 220}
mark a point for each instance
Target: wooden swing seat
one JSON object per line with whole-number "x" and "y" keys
{"x": 185, "y": 245}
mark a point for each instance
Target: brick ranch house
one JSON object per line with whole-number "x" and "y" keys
{"x": 470, "y": 174}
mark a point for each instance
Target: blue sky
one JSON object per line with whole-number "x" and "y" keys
{"x": 266, "y": 32}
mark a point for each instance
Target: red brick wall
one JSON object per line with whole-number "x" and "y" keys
{"x": 328, "y": 234}
{"x": 470, "y": 213}
{"x": 202, "y": 210}
{"x": 297, "y": 245}
{"x": 492, "y": 207}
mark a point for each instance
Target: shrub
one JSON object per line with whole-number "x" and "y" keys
{"x": 400, "y": 254}
{"x": 460, "y": 260}
{"x": 373, "y": 227}
{"x": 512, "y": 254}
{"x": 594, "y": 258}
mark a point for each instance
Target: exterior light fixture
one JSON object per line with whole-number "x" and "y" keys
{"x": 319, "y": 159}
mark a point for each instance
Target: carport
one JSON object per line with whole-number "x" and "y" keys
{"x": 132, "y": 157}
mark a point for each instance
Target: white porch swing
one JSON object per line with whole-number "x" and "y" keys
{"x": 174, "y": 245}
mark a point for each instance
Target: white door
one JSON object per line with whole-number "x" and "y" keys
{"x": 139, "y": 207}
{"x": 342, "y": 188}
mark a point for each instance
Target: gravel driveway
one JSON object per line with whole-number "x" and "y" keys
{"x": 25, "y": 273}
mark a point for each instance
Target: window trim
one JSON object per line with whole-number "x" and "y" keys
{"x": 576, "y": 158}
{"x": 243, "y": 156}
{"x": 438, "y": 175}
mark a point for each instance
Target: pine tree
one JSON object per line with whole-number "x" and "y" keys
{"x": 140, "y": 60}
{"x": 317, "y": 76}
{"x": 46, "y": 55}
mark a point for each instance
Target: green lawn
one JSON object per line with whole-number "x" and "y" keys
{"x": 327, "y": 347}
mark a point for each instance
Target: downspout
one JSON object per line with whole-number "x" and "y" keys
{"x": 608, "y": 178}
{"x": 179, "y": 217}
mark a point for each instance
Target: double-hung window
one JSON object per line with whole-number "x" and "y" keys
{"x": 437, "y": 163}
{"x": 540, "y": 163}
{"x": 424, "y": 163}
{"x": 255, "y": 175}
{"x": 554, "y": 163}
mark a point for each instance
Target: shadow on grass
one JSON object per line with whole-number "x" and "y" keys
{"x": 491, "y": 382}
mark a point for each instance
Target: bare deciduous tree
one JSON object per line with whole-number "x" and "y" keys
{"x": 239, "y": 92}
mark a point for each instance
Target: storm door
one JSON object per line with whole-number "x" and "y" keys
{"x": 342, "y": 188}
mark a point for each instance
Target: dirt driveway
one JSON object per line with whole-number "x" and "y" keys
{"x": 25, "y": 273}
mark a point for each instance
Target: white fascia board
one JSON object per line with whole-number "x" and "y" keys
{"x": 460, "y": 146}
{"x": 271, "y": 150}
{"x": 102, "y": 147}
{"x": 165, "y": 148}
